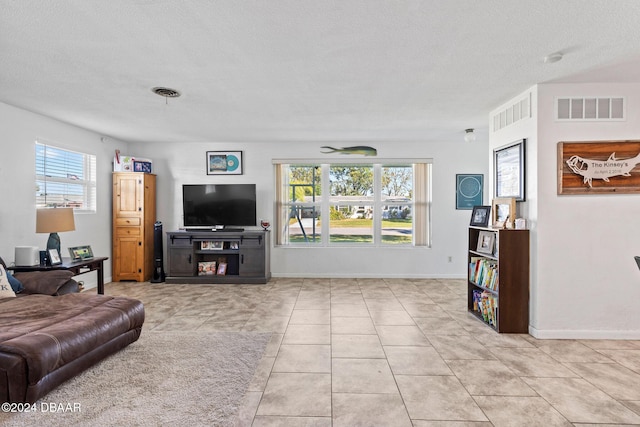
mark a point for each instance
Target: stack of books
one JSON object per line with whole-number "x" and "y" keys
{"x": 484, "y": 272}
{"x": 486, "y": 304}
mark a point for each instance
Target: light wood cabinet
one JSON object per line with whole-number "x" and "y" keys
{"x": 134, "y": 215}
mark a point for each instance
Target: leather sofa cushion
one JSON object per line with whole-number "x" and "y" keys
{"x": 49, "y": 332}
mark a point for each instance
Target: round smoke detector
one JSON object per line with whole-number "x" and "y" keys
{"x": 166, "y": 92}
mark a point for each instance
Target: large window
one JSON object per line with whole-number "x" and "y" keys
{"x": 65, "y": 178}
{"x": 322, "y": 204}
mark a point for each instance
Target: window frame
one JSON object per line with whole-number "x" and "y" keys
{"x": 420, "y": 205}
{"x": 87, "y": 182}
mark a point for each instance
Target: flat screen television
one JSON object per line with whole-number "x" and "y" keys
{"x": 216, "y": 205}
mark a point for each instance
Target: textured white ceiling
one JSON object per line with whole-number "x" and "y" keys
{"x": 302, "y": 70}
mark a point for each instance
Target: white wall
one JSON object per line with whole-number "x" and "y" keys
{"x": 585, "y": 283}
{"x": 20, "y": 130}
{"x": 177, "y": 164}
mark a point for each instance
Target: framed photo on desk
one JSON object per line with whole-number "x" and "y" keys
{"x": 80, "y": 253}
{"x": 54, "y": 257}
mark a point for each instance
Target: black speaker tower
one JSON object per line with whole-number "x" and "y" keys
{"x": 158, "y": 263}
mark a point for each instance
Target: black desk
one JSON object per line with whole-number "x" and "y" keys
{"x": 77, "y": 267}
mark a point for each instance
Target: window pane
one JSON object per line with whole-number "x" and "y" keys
{"x": 351, "y": 224}
{"x": 303, "y": 224}
{"x": 397, "y": 203}
{"x": 397, "y": 224}
{"x": 397, "y": 182}
{"x": 304, "y": 183}
{"x": 351, "y": 182}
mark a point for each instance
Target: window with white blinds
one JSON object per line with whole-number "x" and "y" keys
{"x": 65, "y": 178}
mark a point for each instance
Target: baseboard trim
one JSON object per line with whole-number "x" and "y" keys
{"x": 562, "y": 334}
{"x": 364, "y": 276}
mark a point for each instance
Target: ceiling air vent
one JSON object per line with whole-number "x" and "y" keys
{"x": 166, "y": 92}
{"x": 519, "y": 110}
{"x": 590, "y": 108}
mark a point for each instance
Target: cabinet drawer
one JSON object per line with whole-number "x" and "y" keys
{"x": 127, "y": 231}
{"x": 127, "y": 221}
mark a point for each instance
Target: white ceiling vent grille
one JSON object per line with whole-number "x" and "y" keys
{"x": 590, "y": 108}
{"x": 515, "y": 112}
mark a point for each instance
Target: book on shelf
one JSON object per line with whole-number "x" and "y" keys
{"x": 486, "y": 305}
{"x": 484, "y": 272}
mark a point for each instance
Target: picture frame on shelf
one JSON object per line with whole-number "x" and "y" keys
{"x": 224, "y": 163}
{"x": 509, "y": 168}
{"x": 469, "y": 189}
{"x": 222, "y": 269}
{"x": 480, "y": 216}
{"x": 80, "y": 252}
{"x": 234, "y": 245}
{"x": 486, "y": 242}
{"x": 54, "y": 257}
{"x": 216, "y": 245}
{"x": 206, "y": 268}
{"x": 503, "y": 210}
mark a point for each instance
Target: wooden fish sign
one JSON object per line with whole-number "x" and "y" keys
{"x": 599, "y": 167}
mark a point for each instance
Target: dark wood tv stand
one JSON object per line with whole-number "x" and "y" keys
{"x": 191, "y": 253}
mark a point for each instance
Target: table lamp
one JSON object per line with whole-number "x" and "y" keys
{"x": 53, "y": 221}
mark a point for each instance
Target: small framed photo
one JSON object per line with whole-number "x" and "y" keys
{"x": 206, "y": 268}
{"x": 486, "y": 242}
{"x": 480, "y": 216}
{"x": 504, "y": 212}
{"x": 234, "y": 245}
{"x": 54, "y": 257}
{"x": 216, "y": 245}
{"x": 224, "y": 163}
{"x": 222, "y": 269}
{"x": 80, "y": 252}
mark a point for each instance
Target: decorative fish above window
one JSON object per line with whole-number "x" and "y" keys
{"x": 359, "y": 149}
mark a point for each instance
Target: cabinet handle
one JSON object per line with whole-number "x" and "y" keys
{"x": 242, "y": 259}
{"x": 189, "y": 258}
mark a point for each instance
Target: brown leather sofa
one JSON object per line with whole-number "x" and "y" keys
{"x": 46, "y": 340}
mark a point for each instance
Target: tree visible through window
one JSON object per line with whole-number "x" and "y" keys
{"x": 65, "y": 178}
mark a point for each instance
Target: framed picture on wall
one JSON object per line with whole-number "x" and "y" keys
{"x": 509, "y": 165}
{"x": 224, "y": 163}
{"x": 468, "y": 190}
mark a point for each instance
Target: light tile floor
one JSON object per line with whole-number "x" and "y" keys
{"x": 378, "y": 352}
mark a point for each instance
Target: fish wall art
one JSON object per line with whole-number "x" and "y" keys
{"x": 359, "y": 149}
{"x": 593, "y": 167}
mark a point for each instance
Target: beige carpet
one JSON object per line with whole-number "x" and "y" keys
{"x": 163, "y": 379}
